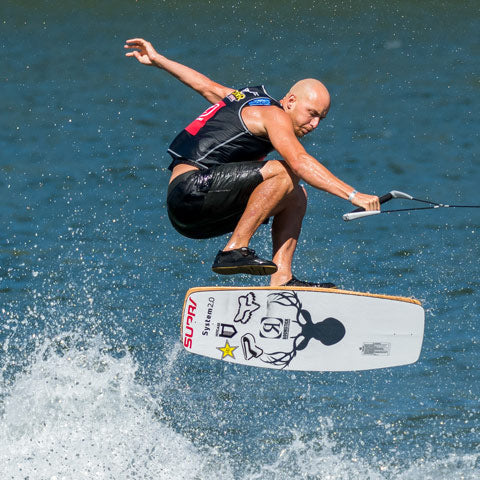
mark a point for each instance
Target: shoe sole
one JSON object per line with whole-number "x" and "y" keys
{"x": 249, "y": 269}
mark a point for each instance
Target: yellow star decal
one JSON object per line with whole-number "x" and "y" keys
{"x": 227, "y": 350}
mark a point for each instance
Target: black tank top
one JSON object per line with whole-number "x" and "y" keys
{"x": 219, "y": 135}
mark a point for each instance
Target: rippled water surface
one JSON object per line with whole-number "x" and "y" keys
{"x": 94, "y": 382}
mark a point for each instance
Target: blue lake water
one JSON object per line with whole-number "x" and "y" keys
{"x": 94, "y": 382}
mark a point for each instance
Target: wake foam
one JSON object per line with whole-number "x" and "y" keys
{"x": 81, "y": 412}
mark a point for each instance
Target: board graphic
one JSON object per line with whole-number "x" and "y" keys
{"x": 300, "y": 328}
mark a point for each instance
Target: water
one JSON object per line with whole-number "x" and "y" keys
{"x": 94, "y": 382}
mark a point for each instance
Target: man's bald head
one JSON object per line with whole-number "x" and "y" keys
{"x": 312, "y": 90}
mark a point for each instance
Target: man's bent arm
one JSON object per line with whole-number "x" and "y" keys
{"x": 144, "y": 52}
{"x": 306, "y": 167}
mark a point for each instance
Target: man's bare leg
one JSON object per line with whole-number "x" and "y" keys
{"x": 279, "y": 195}
{"x": 286, "y": 228}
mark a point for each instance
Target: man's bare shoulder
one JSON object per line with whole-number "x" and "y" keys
{"x": 260, "y": 119}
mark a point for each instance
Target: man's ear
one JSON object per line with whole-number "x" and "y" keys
{"x": 291, "y": 99}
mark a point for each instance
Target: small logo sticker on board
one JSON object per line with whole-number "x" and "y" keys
{"x": 275, "y": 328}
{"x": 227, "y": 350}
{"x": 250, "y": 349}
{"x": 226, "y": 330}
{"x": 375, "y": 348}
{"x": 246, "y": 308}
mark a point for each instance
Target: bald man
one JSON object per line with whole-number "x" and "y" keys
{"x": 220, "y": 183}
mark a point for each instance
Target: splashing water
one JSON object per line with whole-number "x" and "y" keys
{"x": 78, "y": 412}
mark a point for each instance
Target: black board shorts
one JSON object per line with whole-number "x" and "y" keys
{"x": 209, "y": 203}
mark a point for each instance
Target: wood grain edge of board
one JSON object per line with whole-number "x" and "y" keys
{"x": 307, "y": 289}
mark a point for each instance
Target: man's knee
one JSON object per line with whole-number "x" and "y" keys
{"x": 281, "y": 173}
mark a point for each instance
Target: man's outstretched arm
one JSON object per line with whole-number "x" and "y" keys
{"x": 144, "y": 52}
{"x": 279, "y": 129}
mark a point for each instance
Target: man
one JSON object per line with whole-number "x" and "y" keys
{"x": 219, "y": 183}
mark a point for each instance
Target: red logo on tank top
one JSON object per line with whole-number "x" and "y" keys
{"x": 200, "y": 121}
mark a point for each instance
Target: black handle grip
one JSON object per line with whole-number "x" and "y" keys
{"x": 383, "y": 199}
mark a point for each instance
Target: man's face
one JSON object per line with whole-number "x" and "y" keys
{"x": 306, "y": 114}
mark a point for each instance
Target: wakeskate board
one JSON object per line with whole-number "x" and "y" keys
{"x": 302, "y": 328}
